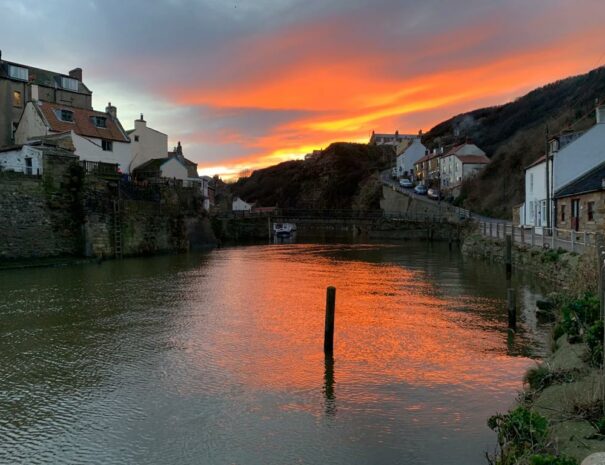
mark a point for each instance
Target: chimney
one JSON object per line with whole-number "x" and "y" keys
{"x": 141, "y": 118}
{"x": 601, "y": 114}
{"x": 76, "y": 73}
{"x": 113, "y": 111}
{"x": 420, "y": 133}
{"x": 179, "y": 149}
{"x": 397, "y": 132}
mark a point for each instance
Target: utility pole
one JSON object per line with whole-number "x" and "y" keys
{"x": 548, "y": 181}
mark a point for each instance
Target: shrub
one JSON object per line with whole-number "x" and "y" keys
{"x": 542, "y": 376}
{"x": 551, "y": 460}
{"x": 594, "y": 340}
{"x": 520, "y": 431}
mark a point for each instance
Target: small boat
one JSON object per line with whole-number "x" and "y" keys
{"x": 283, "y": 229}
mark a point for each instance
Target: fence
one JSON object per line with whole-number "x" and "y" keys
{"x": 101, "y": 169}
{"x": 553, "y": 238}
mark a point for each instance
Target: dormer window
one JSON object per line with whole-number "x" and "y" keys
{"x": 99, "y": 121}
{"x": 66, "y": 115}
{"x": 69, "y": 84}
{"x": 17, "y": 72}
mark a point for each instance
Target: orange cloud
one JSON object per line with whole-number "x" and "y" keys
{"x": 346, "y": 97}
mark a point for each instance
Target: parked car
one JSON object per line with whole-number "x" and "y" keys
{"x": 434, "y": 194}
{"x": 420, "y": 189}
{"x": 406, "y": 183}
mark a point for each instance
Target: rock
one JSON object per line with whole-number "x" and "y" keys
{"x": 595, "y": 459}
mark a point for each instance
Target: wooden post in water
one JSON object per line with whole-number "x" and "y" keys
{"x": 512, "y": 310}
{"x": 509, "y": 255}
{"x": 329, "y": 329}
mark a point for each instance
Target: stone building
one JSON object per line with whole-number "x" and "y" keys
{"x": 580, "y": 205}
{"x": 20, "y": 84}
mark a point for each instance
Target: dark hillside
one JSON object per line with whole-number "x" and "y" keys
{"x": 513, "y": 136}
{"x": 342, "y": 176}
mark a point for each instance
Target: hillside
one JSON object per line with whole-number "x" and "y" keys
{"x": 342, "y": 176}
{"x": 514, "y": 135}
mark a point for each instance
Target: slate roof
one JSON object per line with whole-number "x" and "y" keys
{"x": 82, "y": 124}
{"x": 473, "y": 159}
{"x": 589, "y": 182}
{"x": 41, "y": 77}
{"x": 152, "y": 165}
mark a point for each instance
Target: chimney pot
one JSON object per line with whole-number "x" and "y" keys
{"x": 76, "y": 73}
{"x": 113, "y": 111}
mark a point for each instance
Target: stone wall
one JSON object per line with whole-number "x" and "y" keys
{"x": 597, "y": 224}
{"x": 563, "y": 270}
{"x": 65, "y": 213}
{"x": 39, "y": 217}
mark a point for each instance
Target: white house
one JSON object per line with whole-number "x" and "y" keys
{"x": 239, "y": 205}
{"x": 25, "y": 159}
{"x": 406, "y": 161}
{"x": 30, "y": 159}
{"x": 570, "y": 156}
{"x": 459, "y": 163}
{"x": 146, "y": 143}
{"x": 390, "y": 139}
{"x": 96, "y": 136}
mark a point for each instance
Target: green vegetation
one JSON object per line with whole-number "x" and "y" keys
{"x": 513, "y": 136}
{"x": 542, "y": 376}
{"x": 343, "y": 176}
{"x": 548, "y": 459}
{"x": 577, "y": 316}
{"x": 594, "y": 340}
{"x": 521, "y": 433}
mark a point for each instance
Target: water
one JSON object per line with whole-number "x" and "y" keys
{"x": 217, "y": 358}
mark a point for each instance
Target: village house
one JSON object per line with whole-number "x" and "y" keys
{"x": 580, "y": 205}
{"x": 20, "y": 84}
{"x": 406, "y": 160}
{"x": 96, "y": 136}
{"x": 30, "y": 159}
{"x": 426, "y": 169}
{"x": 459, "y": 163}
{"x": 146, "y": 143}
{"x": 570, "y": 156}
{"x": 239, "y": 205}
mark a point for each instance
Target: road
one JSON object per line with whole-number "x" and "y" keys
{"x": 385, "y": 177}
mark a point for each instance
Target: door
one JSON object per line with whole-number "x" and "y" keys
{"x": 28, "y": 166}
{"x": 575, "y": 214}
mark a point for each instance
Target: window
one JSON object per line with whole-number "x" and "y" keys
{"x": 531, "y": 182}
{"x": 17, "y": 98}
{"x": 107, "y": 145}
{"x": 136, "y": 138}
{"x": 563, "y": 213}
{"x": 66, "y": 115}
{"x": 99, "y": 121}
{"x": 590, "y": 210}
{"x": 69, "y": 84}
{"x": 16, "y": 72}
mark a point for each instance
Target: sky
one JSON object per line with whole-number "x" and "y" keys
{"x": 249, "y": 83}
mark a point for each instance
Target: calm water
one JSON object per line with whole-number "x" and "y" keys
{"x": 217, "y": 358}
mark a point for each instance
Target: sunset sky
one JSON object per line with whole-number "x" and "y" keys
{"x": 248, "y": 83}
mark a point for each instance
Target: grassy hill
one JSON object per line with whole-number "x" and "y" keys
{"x": 343, "y": 176}
{"x": 514, "y": 135}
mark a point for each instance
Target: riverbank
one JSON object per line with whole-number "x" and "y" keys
{"x": 559, "y": 417}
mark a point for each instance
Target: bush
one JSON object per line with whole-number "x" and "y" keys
{"x": 542, "y": 376}
{"x": 519, "y": 432}
{"x": 551, "y": 460}
{"x": 594, "y": 340}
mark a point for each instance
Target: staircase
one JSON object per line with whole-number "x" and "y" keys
{"x": 117, "y": 229}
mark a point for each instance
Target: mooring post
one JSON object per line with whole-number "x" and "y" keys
{"x": 509, "y": 254}
{"x": 512, "y": 310}
{"x": 329, "y": 330}
{"x": 269, "y": 226}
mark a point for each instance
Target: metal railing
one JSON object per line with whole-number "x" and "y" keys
{"x": 101, "y": 169}
{"x": 540, "y": 236}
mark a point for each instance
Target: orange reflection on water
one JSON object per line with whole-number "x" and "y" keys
{"x": 393, "y": 325}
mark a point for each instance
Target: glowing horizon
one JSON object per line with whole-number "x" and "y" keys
{"x": 250, "y": 86}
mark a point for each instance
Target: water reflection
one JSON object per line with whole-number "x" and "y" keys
{"x": 217, "y": 358}
{"x": 330, "y": 398}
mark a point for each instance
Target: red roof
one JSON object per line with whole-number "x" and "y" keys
{"x": 537, "y": 162}
{"x": 82, "y": 124}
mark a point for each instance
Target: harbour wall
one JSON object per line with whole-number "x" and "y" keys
{"x": 68, "y": 213}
